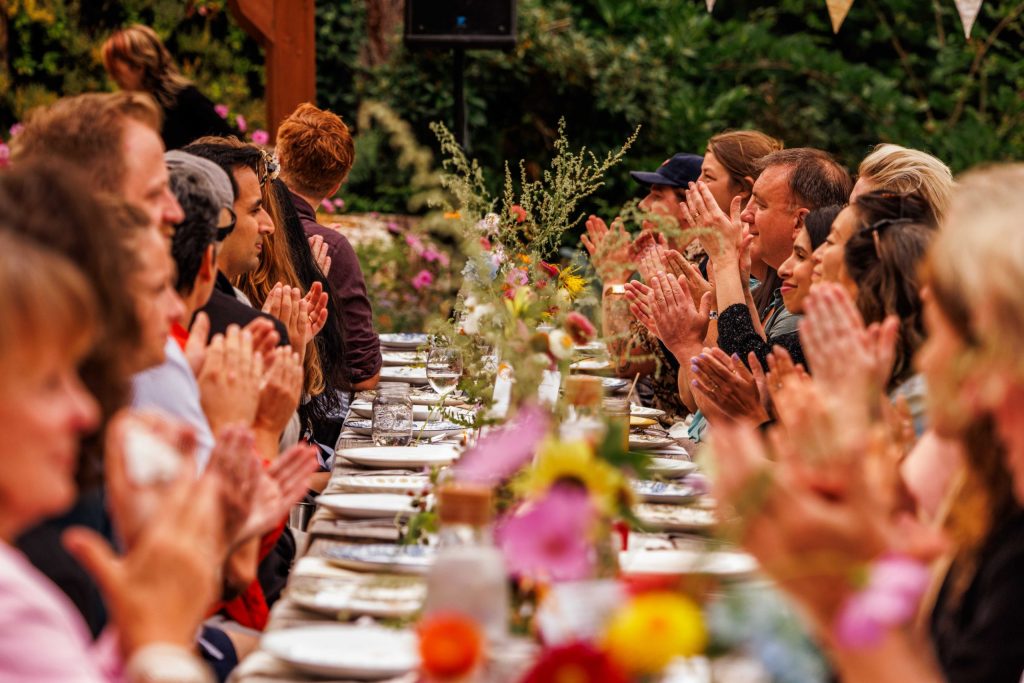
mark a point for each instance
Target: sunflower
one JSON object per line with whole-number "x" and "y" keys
{"x": 575, "y": 462}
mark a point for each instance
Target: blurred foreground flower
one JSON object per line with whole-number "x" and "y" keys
{"x": 550, "y": 540}
{"x": 894, "y": 589}
{"x": 502, "y": 452}
{"x": 450, "y": 645}
{"x": 575, "y": 663}
{"x": 653, "y": 629}
{"x": 574, "y": 462}
{"x": 579, "y": 328}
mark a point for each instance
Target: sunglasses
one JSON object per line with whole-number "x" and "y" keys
{"x": 224, "y": 230}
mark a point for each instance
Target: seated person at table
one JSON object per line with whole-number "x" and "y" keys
{"x": 316, "y": 152}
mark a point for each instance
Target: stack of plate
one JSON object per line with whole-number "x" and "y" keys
{"x": 404, "y": 341}
{"x": 406, "y": 457}
{"x": 345, "y": 651}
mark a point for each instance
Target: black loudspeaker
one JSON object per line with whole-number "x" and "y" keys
{"x": 467, "y": 24}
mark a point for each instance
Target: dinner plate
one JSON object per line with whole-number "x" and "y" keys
{"x": 664, "y": 492}
{"x": 403, "y": 340}
{"x": 344, "y": 650}
{"x": 428, "y": 397}
{"x": 368, "y": 505}
{"x": 720, "y": 563}
{"x": 382, "y": 483}
{"x": 647, "y": 441}
{"x": 396, "y": 559}
{"x": 591, "y": 365}
{"x": 390, "y": 358}
{"x": 404, "y": 373}
{"x": 420, "y": 429}
{"x": 419, "y": 412}
{"x": 670, "y": 468}
{"x": 385, "y": 596}
{"x": 613, "y": 384}
{"x": 637, "y": 410}
{"x": 591, "y": 347}
{"x": 425, "y": 455}
{"x": 674, "y": 517}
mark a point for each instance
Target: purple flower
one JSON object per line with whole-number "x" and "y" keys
{"x": 517, "y": 277}
{"x": 890, "y": 598}
{"x": 16, "y": 129}
{"x": 240, "y": 123}
{"x": 549, "y": 540}
{"x": 502, "y": 452}
{"x": 260, "y": 137}
{"x": 222, "y": 110}
{"x": 422, "y": 279}
{"x": 327, "y": 206}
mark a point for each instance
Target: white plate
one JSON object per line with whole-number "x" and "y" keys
{"x": 382, "y": 483}
{"x": 428, "y": 397}
{"x": 641, "y": 442}
{"x": 663, "y": 492}
{"x": 391, "y": 358}
{"x": 725, "y": 564}
{"x": 591, "y": 365}
{"x": 376, "y": 595}
{"x": 419, "y": 412}
{"x": 613, "y": 384}
{"x": 426, "y": 455}
{"x": 670, "y": 468}
{"x": 403, "y": 340}
{"x": 592, "y": 347}
{"x": 368, "y": 505}
{"x": 342, "y": 650}
{"x": 420, "y": 430}
{"x": 403, "y": 373}
{"x": 397, "y": 559}
{"x": 674, "y": 517}
{"x": 638, "y": 410}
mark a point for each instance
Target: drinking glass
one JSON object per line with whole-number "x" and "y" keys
{"x": 444, "y": 369}
{"x": 392, "y": 415}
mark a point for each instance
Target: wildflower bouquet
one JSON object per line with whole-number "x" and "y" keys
{"x": 515, "y": 301}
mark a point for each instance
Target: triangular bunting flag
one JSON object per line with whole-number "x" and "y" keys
{"x": 968, "y": 10}
{"x": 711, "y": 5}
{"x": 837, "y": 10}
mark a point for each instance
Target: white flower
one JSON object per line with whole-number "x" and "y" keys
{"x": 560, "y": 344}
{"x": 489, "y": 224}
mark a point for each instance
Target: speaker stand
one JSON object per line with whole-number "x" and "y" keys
{"x": 459, "y": 80}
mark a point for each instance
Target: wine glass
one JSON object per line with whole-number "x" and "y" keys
{"x": 444, "y": 369}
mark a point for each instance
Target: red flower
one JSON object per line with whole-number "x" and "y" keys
{"x": 579, "y": 328}
{"x": 549, "y": 268}
{"x": 578, "y": 662}
{"x": 519, "y": 213}
{"x": 485, "y": 243}
{"x": 450, "y": 645}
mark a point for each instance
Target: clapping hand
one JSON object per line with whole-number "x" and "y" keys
{"x": 278, "y": 488}
{"x": 724, "y": 384}
{"x": 609, "y": 250}
{"x": 700, "y": 210}
{"x": 288, "y": 305}
{"x": 280, "y": 391}
{"x": 317, "y": 300}
{"x": 230, "y": 378}
{"x": 677, "y": 320}
{"x": 320, "y": 255}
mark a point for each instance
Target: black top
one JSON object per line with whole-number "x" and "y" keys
{"x": 736, "y": 335}
{"x": 980, "y": 638}
{"x": 192, "y": 116}
{"x": 224, "y": 309}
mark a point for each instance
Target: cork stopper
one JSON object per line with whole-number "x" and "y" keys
{"x": 584, "y": 391}
{"x": 464, "y": 504}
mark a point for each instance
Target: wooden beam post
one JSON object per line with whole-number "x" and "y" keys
{"x": 287, "y": 31}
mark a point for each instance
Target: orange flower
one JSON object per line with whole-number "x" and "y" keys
{"x": 450, "y": 645}
{"x": 452, "y": 215}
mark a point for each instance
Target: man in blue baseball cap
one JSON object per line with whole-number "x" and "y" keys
{"x": 668, "y": 183}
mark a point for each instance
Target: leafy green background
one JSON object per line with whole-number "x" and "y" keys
{"x": 899, "y": 70}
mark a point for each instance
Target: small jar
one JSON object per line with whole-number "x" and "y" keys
{"x": 392, "y": 415}
{"x": 617, "y": 411}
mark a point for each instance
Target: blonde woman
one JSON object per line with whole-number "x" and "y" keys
{"x": 900, "y": 169}
{"x": 137, "y": 60}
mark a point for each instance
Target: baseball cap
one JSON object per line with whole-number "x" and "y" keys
{"x": 679, "y": 171}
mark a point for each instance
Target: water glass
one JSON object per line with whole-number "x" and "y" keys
{"x": 392, "y": 415}
{"x": 444, "y": 368}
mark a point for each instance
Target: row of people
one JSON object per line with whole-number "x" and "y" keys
{"x": 219, "y": 330}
